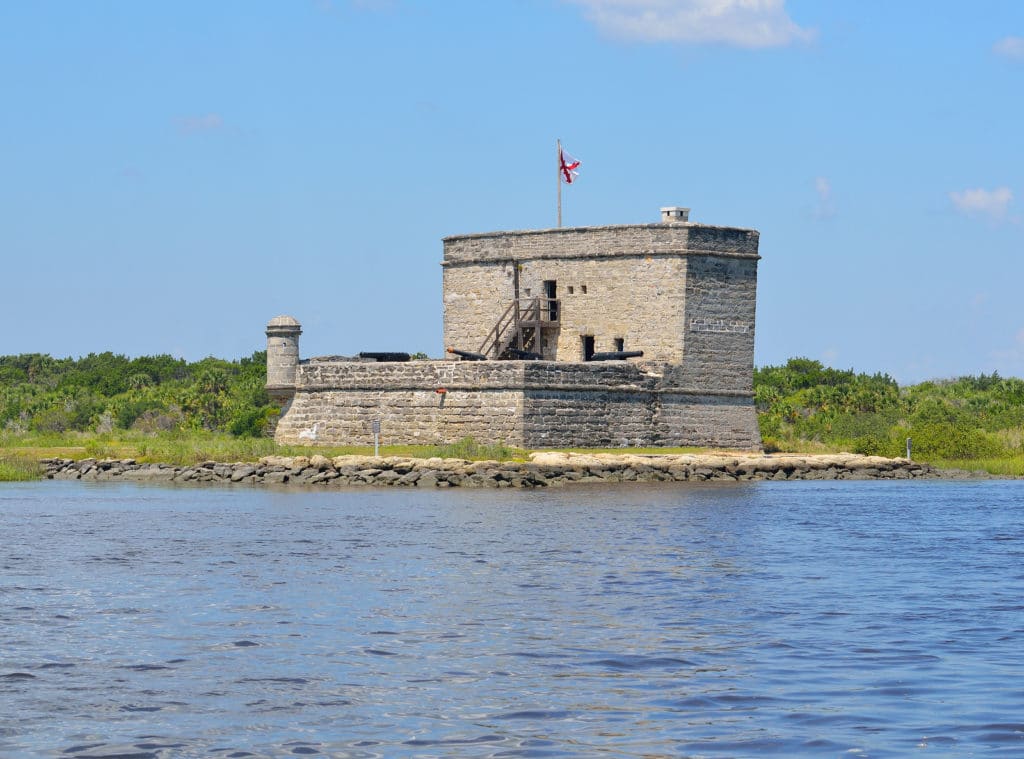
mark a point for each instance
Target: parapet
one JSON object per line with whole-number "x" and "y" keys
{"x": 674, "y": 235}
{"x": 287, "y": 324}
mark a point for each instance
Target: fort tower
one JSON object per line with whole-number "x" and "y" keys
{"x": 282, "y": 357}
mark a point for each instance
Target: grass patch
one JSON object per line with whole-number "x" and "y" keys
{"x": 188, "y": 448}
{"x": 1005, "y": 466}
{"x": 798, "y": 445}
{"x": 470, "y": 449}
{"x": 644, "y": 451}
{"x": 16, "y": 468}
{"x": 21, "y": 452}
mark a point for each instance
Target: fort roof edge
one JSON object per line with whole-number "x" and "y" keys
{"x": 601, "y": 227}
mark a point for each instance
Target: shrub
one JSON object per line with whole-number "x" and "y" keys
{"x": 252, "y": 422}
{"x": 157, "y": 420}
{"x": 52, "y": 420}
{"x": 880, "y": 445}
{"x": 953, "y": 441}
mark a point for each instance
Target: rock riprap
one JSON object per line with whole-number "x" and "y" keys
{"x": 545, "y": 469}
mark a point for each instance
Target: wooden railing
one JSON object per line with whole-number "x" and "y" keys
{"x": 522, "y": 315}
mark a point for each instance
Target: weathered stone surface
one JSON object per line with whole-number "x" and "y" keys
{"x": 322, "y": 476}
{"x": 645, "y": 284}
{"x": 241, "y": 471}
{"x": 428, "y": 480}
{"x": 683, "y": 293}
{"x": 549, "y": 469}
{"x": 529, "y": 404}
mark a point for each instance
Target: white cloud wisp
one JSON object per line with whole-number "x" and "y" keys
{"x": 741, "y": 23}
{"x": 1010, "y": 47}
{"x": 205, "y": 123}
{"x": 826, "y": 208}
{"x": 992, "y": 204}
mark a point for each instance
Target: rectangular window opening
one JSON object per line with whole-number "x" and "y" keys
{"x": 583, "y": 289}
{"x": 620, "y": 344}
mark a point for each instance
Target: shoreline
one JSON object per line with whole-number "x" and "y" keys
{"x": 544, "y": 469}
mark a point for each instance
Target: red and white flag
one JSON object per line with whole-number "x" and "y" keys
{"x": 568, "y": 166}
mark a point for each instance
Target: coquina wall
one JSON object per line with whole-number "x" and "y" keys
{"x": 341, "y": 399}
{"x": 718, "y": 337}
{"x": 534, "y": 404}
{"x": 654, "y": 286}
{"x": 683, "y": 293}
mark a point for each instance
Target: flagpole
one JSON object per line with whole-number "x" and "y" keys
{"x": 558, "y": 178}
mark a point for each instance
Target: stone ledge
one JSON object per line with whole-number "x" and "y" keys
{"x": 589, "y": 256}
{"x": 654, "y": 225}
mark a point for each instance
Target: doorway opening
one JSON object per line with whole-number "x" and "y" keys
{"x": 551, "y": 293}
{"x": 588, "y": 346}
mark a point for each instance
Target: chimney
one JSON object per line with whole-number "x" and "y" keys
{"x": 674, "y": 215}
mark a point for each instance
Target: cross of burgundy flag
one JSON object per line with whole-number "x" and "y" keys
{"x": 568, "y": 166}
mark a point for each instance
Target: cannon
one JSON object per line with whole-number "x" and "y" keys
{"x": 616, "y": 355}
{"x": 525, "y": 355}
{"x": 384, "y": 356}
{"x": 468, "y": 355}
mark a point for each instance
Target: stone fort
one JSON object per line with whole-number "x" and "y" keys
{"x": 621, "y": 335}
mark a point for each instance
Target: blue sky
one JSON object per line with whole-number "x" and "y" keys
{"x": 177, "y": 173}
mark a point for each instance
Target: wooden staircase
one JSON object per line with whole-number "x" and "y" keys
{"x": 521, "y": 327}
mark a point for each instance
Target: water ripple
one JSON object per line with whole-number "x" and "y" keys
{"x": 772, "y": 619}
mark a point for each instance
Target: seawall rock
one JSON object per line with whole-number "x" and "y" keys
{"x": 546, "y": 469}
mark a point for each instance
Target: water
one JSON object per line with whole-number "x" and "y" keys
{"x": 844, "y": 619}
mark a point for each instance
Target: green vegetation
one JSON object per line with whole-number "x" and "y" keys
{"x": 470, "y": 449}
{"x": 107, "y": 392}
{"x": 158, "y": 408}
{"x": 15, "y": 468}
{"x": 184, "y": 448}
{"x": 968, "y": 422}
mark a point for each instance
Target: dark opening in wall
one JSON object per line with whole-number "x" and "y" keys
{"x": 588, "y": 346}
{"x": 583, "y": 289}
{"x": 551, "y": 293}
{"x": 620, "y": 344}
{"x": 570, "y": 290}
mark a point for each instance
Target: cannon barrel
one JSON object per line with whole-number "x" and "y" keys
{"x": 385, "y": 356}
{"x": 525, "y": 355}
{"x": 468, "y": 355}
{"x": 616, "y": 355}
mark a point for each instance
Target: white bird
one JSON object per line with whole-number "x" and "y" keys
{"x": 311, "y": 433}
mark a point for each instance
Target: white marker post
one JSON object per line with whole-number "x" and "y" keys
{"x": 908, "y": 449}
{"x": 376, "y": 438}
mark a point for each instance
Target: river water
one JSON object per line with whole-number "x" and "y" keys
{"x": 843, "y": 619}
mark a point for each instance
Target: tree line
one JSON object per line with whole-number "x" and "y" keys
{"x": 963, "y": 418}
{"x": 800, "y": 403}
{"x": 105, "y": 392}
